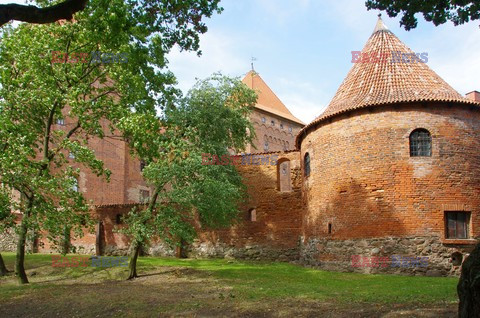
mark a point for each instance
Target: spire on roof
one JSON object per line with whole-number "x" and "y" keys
{"x": 390, "y": 81}
{"x": 380, "y": 26}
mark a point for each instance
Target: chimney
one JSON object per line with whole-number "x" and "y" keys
{"x": 474, "y": 95}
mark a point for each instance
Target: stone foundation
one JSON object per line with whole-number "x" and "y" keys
{"x": 337, "y": 255}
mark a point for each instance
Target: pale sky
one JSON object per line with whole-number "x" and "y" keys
{"x": 303, "y": 48}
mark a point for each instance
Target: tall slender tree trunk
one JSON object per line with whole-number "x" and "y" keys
{"x": 3, "y": 268}
{"x": 66, "y": 240}
{"x": 132, "y": 264}
{"x": 20, "y": 259}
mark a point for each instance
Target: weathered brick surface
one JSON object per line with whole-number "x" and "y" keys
{"x": 365, "y": 184}
{"x": 278, "y": 214}
{"x": 279, "y": 136}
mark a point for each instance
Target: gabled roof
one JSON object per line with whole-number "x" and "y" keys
{"x": 371, "y": 84}
{"x": 267, "y": 100}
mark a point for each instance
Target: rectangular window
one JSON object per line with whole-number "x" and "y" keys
{"x": 457, "y": 224}
{"x": 142, "y": 165}
{"x": 144, "y": 196}
{"x": 61, "y": 121}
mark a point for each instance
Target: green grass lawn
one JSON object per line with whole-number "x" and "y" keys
{"x": 245, "y": 280}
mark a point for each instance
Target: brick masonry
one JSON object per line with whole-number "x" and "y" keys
{"x": 377, "y": 199}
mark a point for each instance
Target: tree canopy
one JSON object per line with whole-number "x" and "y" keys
{"x": 436, "y": 11}
{"x": 48, "y": 72}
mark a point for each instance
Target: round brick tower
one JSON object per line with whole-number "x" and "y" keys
{"x": 391, "y": 168}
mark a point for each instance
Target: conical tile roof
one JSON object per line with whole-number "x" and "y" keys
{"x": 267, "y": 100}
{"x": 388, "y": 82}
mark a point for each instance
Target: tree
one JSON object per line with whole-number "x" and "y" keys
{"x": 438, "y": 12}
{"x": 6, "y": 221}
{"x": 33, "y": 14}
{"x": 187, "y": 194}
{"x": 92, "y": 92}
{"x": 468, "y": 287}
{"x": 169, "y": 13}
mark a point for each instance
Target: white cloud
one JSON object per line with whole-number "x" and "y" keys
{"x": 305, "y": 100}
{"x": 219, "y": 54}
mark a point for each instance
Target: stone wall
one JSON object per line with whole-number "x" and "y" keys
{"x": 337, "y": 255}
{"x": 8, "y": 241}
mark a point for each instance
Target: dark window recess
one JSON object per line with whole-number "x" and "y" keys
{"x": 329, "y": 228}
{"x": 142, "y": 165}
{"x": 306, "y": 163}
{"x": 457, "y": 224}
{"x": 118, "y": 219}
{"x": 420, "y": 143}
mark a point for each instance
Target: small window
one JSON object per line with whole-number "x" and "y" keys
{"x": 75, "y": 185}
{"x": 306, "y": 163}
{"x": 71, "y": 155}
{"x": 252, "y": 215}
{"x": 265, "y": 146}
{"x": 142, "y": 165}
{"x": 289, "y": 129}
{"x": 283, "y": 175}
{"x": 118, "y": 219}
{"x": 144, "y": 196}
{"x": 264, "y": 120}
{"x": 329, "y": 228}
{"x": 457, "y": 224}
{"x": 273, "y": 122}
{"x": 420, "y": 143}
{"x": 61, "y": 121}
{"x": 281, "y": 126}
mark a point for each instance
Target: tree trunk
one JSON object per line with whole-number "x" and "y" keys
{"x": 3, "y": 268}
{"x": 66, "y": 240}
{"x": 20, "y": 259}
{"x": 132, "y": 264}
{"x": 99, "y": 239}
{"x": 468, "y": 287}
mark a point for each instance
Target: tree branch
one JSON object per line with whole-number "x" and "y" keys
{"x": 33, "y": 14}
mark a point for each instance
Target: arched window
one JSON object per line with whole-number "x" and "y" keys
{"x": 306, "y": 164}
{"x": 283, "y": 175}
{"x": 252, "y": 214}
{"x": 420, "y": 143}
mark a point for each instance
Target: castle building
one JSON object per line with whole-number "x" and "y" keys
{"x": 275, "y": 126}
{"x": 391, "y": 169}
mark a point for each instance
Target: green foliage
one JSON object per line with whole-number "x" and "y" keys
{"x": 435, "y": 11}
{"x": 212, "y": 118}
{"x": 92, "y": 97}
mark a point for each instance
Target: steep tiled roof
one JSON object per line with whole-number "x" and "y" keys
{"x": 370, "y": 84}
{"x": 267, "y": 100}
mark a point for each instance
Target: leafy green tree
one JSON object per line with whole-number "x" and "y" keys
{"x": 438, "y": 12}
{"x": 187, "y": 194}
{"x": 39, "y": 86}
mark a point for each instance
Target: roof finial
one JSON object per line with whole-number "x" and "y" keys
{"x": 380, "y": 26}
{"x": 253, "y": 59}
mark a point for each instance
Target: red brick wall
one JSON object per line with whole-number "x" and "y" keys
{"x": 364, "y": 182}
{"x": 278, "y": 214}
{"x": 279, "y": 135}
